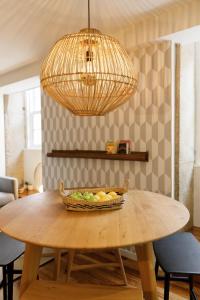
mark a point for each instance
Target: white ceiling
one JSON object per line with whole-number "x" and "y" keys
{"x": 29, "y": 27}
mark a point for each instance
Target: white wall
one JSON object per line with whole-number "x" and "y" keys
{"x": 14, "y": 82}
{"x": 197, "y": 96}
{"x": 20, "y": 74}
{"x": 196, "y": 212}
{"x": 14, "y": 117}
{"x": 2, "y": 138}
{"x": 20, "y": 86}
{"x": 197, "y": 139}
{"x": 187, "y": 125}
{"x": 32, "y": 157}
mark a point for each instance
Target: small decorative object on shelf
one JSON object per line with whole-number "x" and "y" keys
{"x": 26, "y": 185}
{"x": 111, "y": 147}
{"x": 124, "y": 147}
{"x": 30, "y": 187}
{"x": 21, "y": 189}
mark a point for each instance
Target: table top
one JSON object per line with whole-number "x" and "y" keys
{"x": 41, "y": 219}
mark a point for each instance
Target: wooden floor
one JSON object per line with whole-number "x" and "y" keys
{"x": 105, "y": 276}
{"x": 196, "y": 232}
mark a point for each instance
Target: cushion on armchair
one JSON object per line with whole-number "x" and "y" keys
{"x": 5, "y": 198}
{"x": 9, "y": 185}
{"x": 8, "y": 189}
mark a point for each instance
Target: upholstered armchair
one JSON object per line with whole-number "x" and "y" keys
{"x": 8, "y": 190}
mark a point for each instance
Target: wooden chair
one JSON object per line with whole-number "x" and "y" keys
{"x": 93, "y": 263}
{"x": 179, "y": 257}
{"x": 39, "y": 290}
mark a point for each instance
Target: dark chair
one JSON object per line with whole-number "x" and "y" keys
{"x": 10, "y": 250}
{"x": 179, "y": 257}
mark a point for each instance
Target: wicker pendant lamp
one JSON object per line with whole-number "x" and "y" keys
{"x": 88, "y": 72}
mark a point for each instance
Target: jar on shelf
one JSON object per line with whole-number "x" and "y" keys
{"x": 124, "y": 147}
{"x": 111, "y": 147}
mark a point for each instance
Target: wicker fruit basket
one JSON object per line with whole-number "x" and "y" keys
{"x": 85, "y": 205}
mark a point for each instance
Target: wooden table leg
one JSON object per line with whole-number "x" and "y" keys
{"x": 58, "y": 253}
{"x": 31, "y": 264}
{"x": 146, "y": 268}
{"x": 70, "y": 260}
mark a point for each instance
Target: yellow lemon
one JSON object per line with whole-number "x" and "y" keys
{"x": 113, "y": 194}
{"x": 103, "y": 198}
{"x": 97, "y": 198}
{"x": 115, "y": 197}
{"x": 101, "y": 194}
{"x": 106, "y": 198}
{"x": 109, "y": 197}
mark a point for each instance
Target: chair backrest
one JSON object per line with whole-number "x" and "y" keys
{"x": 38, "y": 176}
{"x": 9, "y": 185}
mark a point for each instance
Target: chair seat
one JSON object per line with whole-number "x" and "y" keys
{"x": 178, "y": 253}
{"x": 46, "y": 290}
{"x": 5, "y": 198}
{"x": 10, "y": 249}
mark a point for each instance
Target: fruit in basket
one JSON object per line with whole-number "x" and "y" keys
{"x": 108, "y": 197}
{"x": 83, "y": 196}
{"x": 101, "y": 194}
{"x": 105, "y": 197}
{"x": 112, "y": 194}
{"x": 76, "y": 195}
{"x": 98, "y": 197}
{"x": 88, "y": 196}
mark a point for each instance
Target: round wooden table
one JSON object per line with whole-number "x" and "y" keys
{"x": 41, "y": 220}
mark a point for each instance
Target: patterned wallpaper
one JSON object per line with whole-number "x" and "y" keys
{"x": 145, "y": 119}
{"x": 176, "y": 16}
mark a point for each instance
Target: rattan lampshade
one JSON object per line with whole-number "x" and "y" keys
{"x": 89, "y": 73}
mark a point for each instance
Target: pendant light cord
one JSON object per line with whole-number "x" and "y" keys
{"x": 89, "y": 14}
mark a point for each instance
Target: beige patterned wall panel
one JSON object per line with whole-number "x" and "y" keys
{"x": 177, "y": 16}
{"x": 145, "y": 119}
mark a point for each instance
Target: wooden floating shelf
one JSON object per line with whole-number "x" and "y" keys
{"x": 133, "y": 156}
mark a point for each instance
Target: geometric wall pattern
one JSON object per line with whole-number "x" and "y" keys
{"x": 145, "y": 119}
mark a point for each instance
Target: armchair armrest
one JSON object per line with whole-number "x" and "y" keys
{"x": 9, "y": 185}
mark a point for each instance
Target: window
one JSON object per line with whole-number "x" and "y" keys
{"x": 33, "y": 114}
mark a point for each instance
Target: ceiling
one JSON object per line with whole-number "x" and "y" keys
{"x": 29, "y": 27}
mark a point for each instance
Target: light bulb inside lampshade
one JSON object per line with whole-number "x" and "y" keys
{"x": 88, "y": 76}
{"x": 89, "y": 73}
